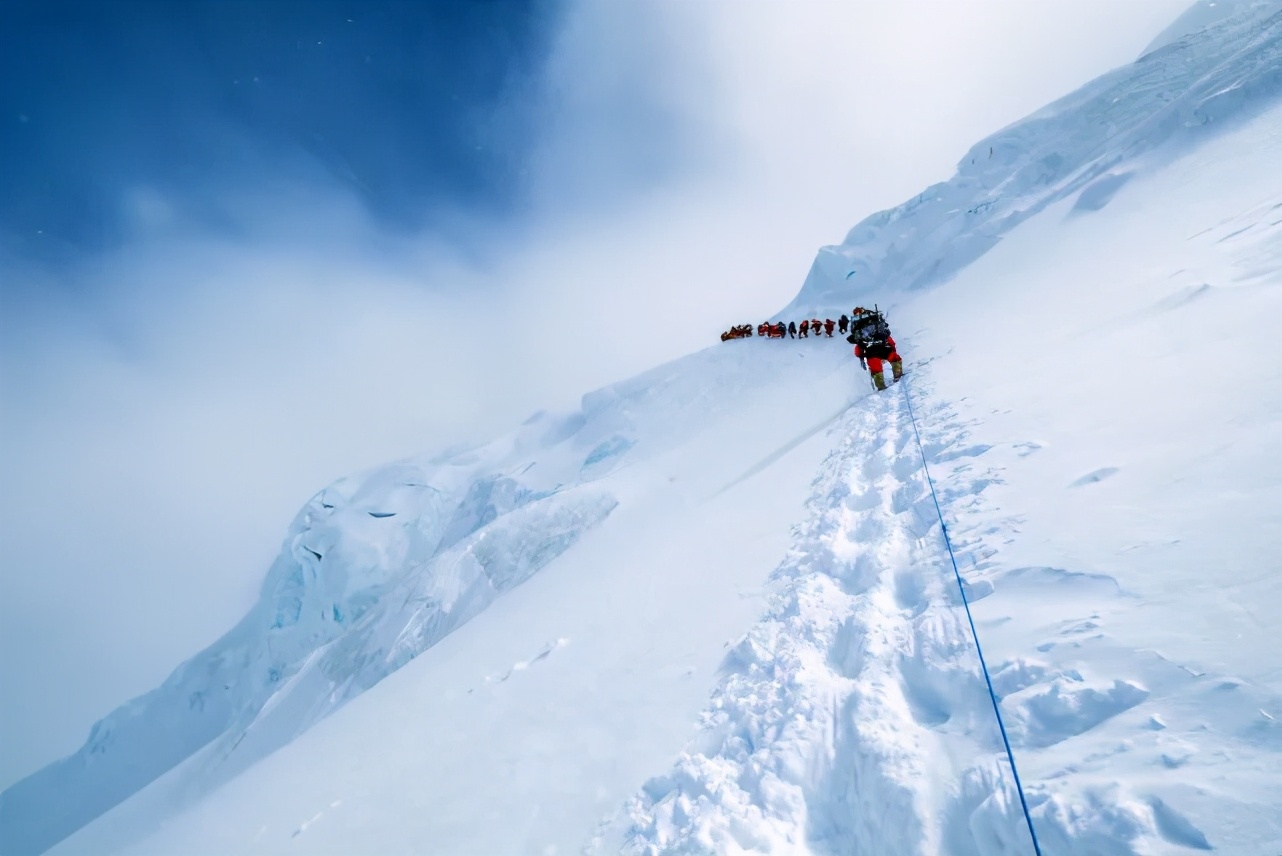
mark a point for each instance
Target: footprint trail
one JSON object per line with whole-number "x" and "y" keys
{"x": 853, "y": 718}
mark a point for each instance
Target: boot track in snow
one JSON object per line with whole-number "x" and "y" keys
{"x": 853, "y": 718}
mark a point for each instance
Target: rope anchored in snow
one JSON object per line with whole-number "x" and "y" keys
{"x": 992, "y": 696}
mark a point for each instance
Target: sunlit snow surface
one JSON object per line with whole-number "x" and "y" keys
{"x": 1088, "y": 141}
{"x": 1104, "y": 426}
{"x": 1090, "y": 317}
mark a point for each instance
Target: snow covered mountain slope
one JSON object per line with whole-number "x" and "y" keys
{"x": 380, "y": 567}
{"x": 1100, "y": 402}
{"x": 1087, "y": 141}
{"x": 375, "y": 569}
{"x": 619, "y": 635}
{"x": 1196, "y": 18}
{"x": 1095, "y": 377}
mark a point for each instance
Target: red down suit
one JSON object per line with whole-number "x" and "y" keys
{"x": 875, "y": 364}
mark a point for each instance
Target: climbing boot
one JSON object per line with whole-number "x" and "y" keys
{"x": 879, "y": 380}
{"x": 897, "y": 369}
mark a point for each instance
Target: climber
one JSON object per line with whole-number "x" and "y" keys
{"x": 828, "y": 325}
{"x": 803, "y": 330}
{"x": 871, "y": 353}
{"x": 842, "y": 322}
{"x": 792, "y": 329}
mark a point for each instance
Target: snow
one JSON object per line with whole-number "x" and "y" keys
{"x": 1097, "y": 134}
{"x": 1196, "y": 18}
{"x": 698, "y": 526}
{"x": 713, "y": 611}
{"x": 1111, "y": 487}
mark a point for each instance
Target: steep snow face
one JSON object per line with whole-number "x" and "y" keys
{"x": 1100, "y": 401}
{"x": 1198, "y": 17}
{"x": 1173, "y": 95}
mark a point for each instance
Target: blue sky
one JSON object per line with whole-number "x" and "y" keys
{"x": 188, "y": 96}
{"x": 247, "y": 248}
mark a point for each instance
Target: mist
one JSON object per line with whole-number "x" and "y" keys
{"x": 175, "y": 386}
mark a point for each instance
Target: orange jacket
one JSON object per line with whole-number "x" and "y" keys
{"x": 875, "y": 363}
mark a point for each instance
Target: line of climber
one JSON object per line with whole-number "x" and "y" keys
{"x": 793, "y": 330}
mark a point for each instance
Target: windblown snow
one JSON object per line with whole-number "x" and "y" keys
{"x": 714, "y": 610}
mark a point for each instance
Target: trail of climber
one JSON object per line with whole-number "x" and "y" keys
{"x": 865, "y": 631}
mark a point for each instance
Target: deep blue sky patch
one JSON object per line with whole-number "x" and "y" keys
{"x": 412, "y": 105}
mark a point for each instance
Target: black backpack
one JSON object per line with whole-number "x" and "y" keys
{"x": 878, "y": 348}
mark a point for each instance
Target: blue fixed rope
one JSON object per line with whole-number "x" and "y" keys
{"x": 992, "y": 696}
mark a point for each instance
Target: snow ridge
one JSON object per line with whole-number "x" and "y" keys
{"x": 1087, "y": 141}
{"x": 852, "y": 718}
